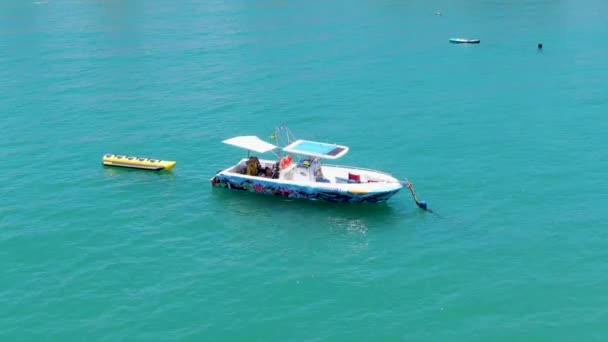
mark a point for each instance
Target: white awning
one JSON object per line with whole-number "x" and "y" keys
{"x": 250, "y": 142}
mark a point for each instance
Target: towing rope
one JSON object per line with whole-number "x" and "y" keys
{"x": 421, "y": 204}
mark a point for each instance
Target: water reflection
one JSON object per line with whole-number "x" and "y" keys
{"x": 338, "y": 217}
{"x": 136, "y": 174}
{"x": 349, "y": 225}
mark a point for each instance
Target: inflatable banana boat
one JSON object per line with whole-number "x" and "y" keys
{"x": 137, "y": 162}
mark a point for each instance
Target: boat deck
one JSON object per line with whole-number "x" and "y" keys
{"x": 332, "y": 174}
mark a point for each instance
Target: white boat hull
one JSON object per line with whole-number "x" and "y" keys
{"x": 464, "y": 41}
{"x": 295, "y": 182}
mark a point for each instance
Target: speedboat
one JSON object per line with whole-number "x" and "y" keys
{"x": 464, "y": 41}
{"x": 298, "y": 172}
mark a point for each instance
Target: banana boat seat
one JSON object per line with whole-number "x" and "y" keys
{"x": 137, "y": 162}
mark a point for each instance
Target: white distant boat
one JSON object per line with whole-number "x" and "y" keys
{"x": 464, "y": 41}
{"x": 305, "y": 176}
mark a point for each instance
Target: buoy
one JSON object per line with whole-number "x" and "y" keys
{"x": 540, "y": 46}
{"x": 137, "y": 162}
{"x": 422, "y": 205}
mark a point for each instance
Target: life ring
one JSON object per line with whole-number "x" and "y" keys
{"x": 285, "y": 161}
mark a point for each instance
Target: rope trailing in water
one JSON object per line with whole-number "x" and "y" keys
{"x": 421, "y": 204}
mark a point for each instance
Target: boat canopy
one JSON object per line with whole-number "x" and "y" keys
{"x": 251, "y": 142}
{"x": 316, "y": 149}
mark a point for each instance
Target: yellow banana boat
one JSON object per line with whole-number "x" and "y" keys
{"x": 137, "y": 162}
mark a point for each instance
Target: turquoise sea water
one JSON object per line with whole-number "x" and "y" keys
{"x": 505, "y": 142}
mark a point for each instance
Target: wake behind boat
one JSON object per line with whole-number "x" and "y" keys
{"x": 304, "y": 177}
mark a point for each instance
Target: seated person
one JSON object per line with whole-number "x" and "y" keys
{"x": 253, "y": 165}
{"x": 275, "y": 171}
{"x": 266, "y": 172}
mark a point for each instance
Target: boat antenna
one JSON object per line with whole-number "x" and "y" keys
{"x": 283, "y": 136}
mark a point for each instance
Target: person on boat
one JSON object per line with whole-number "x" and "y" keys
{"x": 267, "y": 172}
{"x": 253, "y": 166}
{"x": 285, "y": 161}
{"x": 261, "y": 171}
{"x": 275, "y": 171}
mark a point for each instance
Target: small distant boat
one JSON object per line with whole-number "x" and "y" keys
{"x": 464, "y": 41}
{"x": 137, "y": 162}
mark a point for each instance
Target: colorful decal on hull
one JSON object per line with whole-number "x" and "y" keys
{"x": 298, "y": 191}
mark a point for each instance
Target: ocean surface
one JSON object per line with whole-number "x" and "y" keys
{"x": 507, "y": 143}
